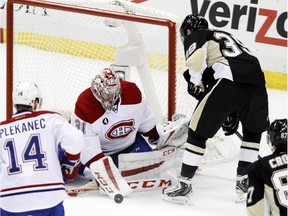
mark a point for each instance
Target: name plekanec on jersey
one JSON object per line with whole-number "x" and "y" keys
{"x": 23, "y": 127}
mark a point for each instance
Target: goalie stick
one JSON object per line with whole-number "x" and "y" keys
{"x": 136, "y": 185}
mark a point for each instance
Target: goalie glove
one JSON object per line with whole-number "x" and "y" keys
{"x": 70, "y": 165}
{"x": 231, "y": 124}
{"x": 194, "y": 90}
{"x": 169, "y": 131}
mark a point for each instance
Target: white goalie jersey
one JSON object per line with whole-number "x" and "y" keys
{"x": 116, "y": 129}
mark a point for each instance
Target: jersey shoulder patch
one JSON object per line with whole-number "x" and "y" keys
{"x": 88, "y": 108}
{"x": 130, "y": 94}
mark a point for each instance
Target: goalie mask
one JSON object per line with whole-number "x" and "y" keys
{"x": 106, "y": 88}
{"x": 277, "y": 134}
{"x": 26, "y": 93}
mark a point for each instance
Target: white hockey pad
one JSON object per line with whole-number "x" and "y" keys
{"x": 221, "y": 149}
{"x": 136, "y": 185}
{"x": 109, "y": 178}
{"x": 172, "y": 130}
{"x": 241, "y": 197}
{"x": 150, "y": 165}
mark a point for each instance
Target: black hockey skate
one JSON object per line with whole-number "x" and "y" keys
{"x": 180, "y": 193}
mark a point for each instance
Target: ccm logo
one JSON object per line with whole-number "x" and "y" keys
{"x": 169, "y": 151}
{"x": 155, "y": 183}
{"x": 103, "y": 183}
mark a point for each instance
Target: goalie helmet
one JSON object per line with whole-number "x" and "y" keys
{"x": 277, "y": 134}
{"x": 26, "y": 93}
{"x": 192, "y": 22}
{"x": 106, "y": 88}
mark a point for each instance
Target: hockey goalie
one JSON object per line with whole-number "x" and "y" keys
{"x": 122, "y": 137}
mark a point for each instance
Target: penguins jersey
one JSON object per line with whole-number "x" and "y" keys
{"x": 31, "y": 176}
{"x": 115, "y": 130}
{"x": 267, "y": 192}
{"x": 218, "y": 54}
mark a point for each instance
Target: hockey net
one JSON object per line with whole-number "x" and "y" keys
{"x": 62, "y": 50}
{"x": 62, "y": 45}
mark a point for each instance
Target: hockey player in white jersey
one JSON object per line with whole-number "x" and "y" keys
{"x": 114, "y": 114}
{"x": 114, "y": 117}
{"x": 32, "y": 176}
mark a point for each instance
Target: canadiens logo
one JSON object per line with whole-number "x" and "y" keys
{"x": 121, "y": 129}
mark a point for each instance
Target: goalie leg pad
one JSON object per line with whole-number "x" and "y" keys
{"x": 109, "y": 178}
{"x": 150, "y": 165}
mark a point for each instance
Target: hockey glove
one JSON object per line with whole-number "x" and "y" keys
{"x": 231, "y": 124}
{"x": 70, "y": 165}
{"x": 194, "y": 90}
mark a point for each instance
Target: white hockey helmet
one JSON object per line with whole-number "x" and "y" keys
{"x": 106, "y": 88}
{"x": 26, "y": 93}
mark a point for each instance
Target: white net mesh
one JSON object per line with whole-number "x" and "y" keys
{"x": 62, "y": 51}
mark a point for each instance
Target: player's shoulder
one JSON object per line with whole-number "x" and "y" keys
{"x": 84, "y": 95}
{"x": 218, "y": 36}
{"x": 87, "y": 107}
{"x": 27, "y": 115}
{"x": 130, "y": 94}
{"x": 43, "y": 112}
{"x": 277, "y": 158}
{"x": 261, "y": 163}
{"x": 203, "y": 34}
{"x": 198, "y": 38}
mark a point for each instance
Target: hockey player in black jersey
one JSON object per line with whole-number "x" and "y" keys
{"x": 267, "y": 192}
{"x": 229, "y": 84}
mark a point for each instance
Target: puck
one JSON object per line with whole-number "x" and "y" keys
{"x": 118, "y": 198}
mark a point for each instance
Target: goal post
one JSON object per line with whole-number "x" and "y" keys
{"x": 94, "y": 12}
